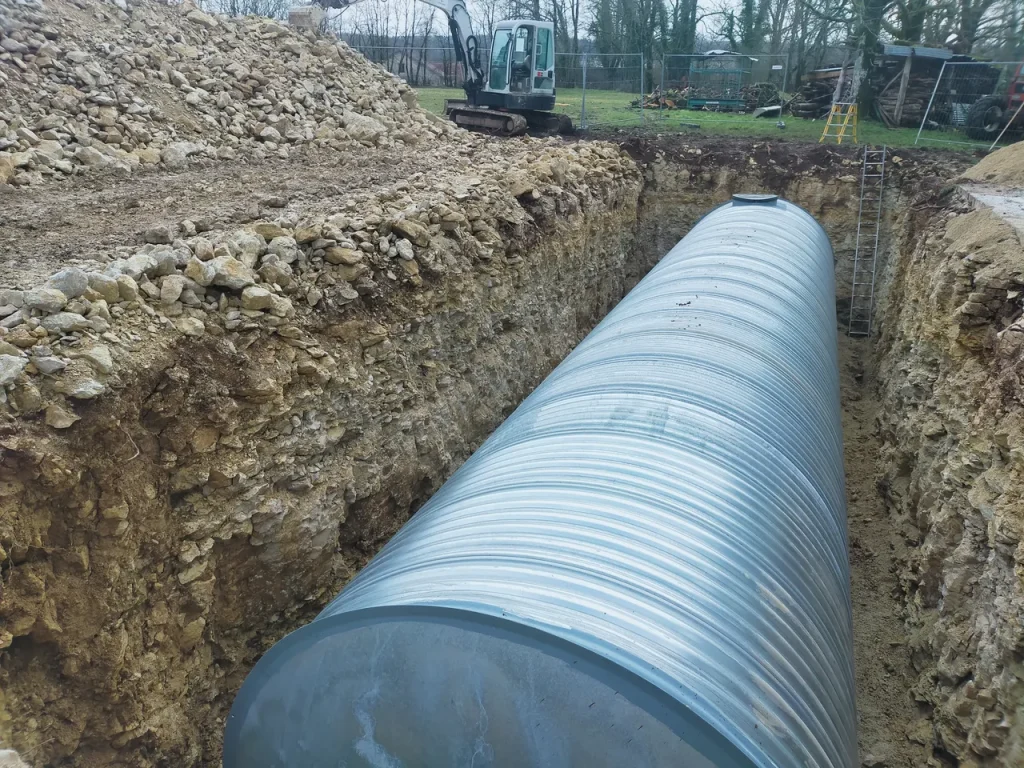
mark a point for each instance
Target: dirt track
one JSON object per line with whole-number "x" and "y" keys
{"x": 44, "y": 226}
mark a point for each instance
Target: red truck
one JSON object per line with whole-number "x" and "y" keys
{"x": 989, "y": 114}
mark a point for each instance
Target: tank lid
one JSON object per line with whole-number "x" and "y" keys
{"x": 752, "y": 198}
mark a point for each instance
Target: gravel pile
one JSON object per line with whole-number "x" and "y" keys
{"x": 92, "y": 84}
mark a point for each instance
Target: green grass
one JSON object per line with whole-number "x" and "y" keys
{"x": 610, "y": 109}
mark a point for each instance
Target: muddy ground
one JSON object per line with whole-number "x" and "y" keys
{"x": 886, "y": 710}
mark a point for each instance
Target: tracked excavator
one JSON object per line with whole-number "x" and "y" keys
{"x": 517, "y": 92}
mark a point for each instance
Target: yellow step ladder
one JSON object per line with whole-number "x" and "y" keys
{"x": 841, "y": 117}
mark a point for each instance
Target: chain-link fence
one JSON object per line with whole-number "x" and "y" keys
{"x": 600, "y": 89}
{"x": 726, "y": 86}
{"x": 973, "y": 102}
{"x": 616, "y": 90}
{"x": 419, "y": 66}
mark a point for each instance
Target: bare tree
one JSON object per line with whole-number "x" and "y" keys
{"x": 276, "y": 9}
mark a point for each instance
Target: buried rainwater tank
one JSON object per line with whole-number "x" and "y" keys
{"x": 645, "y": 565}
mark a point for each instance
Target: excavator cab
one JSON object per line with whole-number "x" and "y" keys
{"x": 521, "y": 73}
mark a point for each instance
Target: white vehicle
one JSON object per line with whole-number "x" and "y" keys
{"x": 517, "y": 91}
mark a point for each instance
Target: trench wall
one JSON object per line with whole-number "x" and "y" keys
{"x": 231, "y": 483}
{"x": 950, "y": 368}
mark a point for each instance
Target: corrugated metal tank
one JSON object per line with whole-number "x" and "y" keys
{"x": 645, "y": 565}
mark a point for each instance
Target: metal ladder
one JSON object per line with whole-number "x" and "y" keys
{"x": 865, "y": 254}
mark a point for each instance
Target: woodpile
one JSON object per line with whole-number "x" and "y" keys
{"x": 814, "y": 99}
{"x": 761, "y": 95}
{"x": 887, "y": 83}
{"x": 754, "y": 96}
{"x": 670, "y": 98}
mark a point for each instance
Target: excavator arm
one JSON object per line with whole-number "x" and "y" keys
{"x": 467, "y": 53}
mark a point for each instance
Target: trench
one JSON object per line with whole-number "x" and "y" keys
{"x": 937, "y": 660}
{"x": 678, "y": 191}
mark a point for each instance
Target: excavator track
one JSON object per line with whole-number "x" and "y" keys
{"x": 501, "y": 123}
{"x": 489, "y": 121}
{"x": 546, "y": 123}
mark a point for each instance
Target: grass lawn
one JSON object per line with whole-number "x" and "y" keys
{"x": 610, "y": 109}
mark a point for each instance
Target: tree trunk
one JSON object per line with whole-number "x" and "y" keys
{"x": 870, "y": 26}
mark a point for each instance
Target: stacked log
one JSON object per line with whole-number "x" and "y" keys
{"x": 670, "y": 98}
{"x": 754, "y": 96}
{"x": 814, "y": 99}
{"x": 919, "y": 91}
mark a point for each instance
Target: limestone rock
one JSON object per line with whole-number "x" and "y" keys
{"x": 256, "y": 298}
{"x": 45, "y": 299}
{"x": 72, "y": 282}
{"x": 10, "y": 368}
{"x": 175, "y": 156}
{"x": 7, "y": 169}
{"x": 159, "y": 234}
{"x": 202, "y": 19}
{"x": 190, "y": 326}
{"x": 171, "y": 287}
{"x": 92, "y": 157}
{"x": 414, "y": 231}
{"x": 405, "y": 249}
{"x": 97, "y": 356}
{"x": 8, "y": 757}
{"x": 81, "y": 387}
{"x": 346, "y": 256}
{"x": 148, "y": 155}
{"x": 65, "y": 322}
{"x": 203, "y": 249}
{"x": 307, "y": 233}
{"x": 59, "y": 417}
{"x": 49, "y": 365}
{"x": 12, "y": 297}
{"x": 269, "y": 231}
{"x": 270, "y": 134}
{"x": 105, "y": 285}
{"x": 229, "y": 272}
{"x": 26, "y": 397}
{"x": 200, "y": 272}
{"x": 127, "y": 288}
{"x": 285, "y": 248}
{"x": 248, "y": 246}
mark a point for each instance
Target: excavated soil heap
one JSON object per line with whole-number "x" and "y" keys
{"x": 1004, "y": 167}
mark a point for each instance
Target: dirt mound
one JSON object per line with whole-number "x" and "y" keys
{"x": 117, "y": 85}
{"x": 1005, "y": 167}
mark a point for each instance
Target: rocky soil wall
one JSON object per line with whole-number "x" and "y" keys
{"x": 207, "y": 435}
{"x": 952, "y": 421}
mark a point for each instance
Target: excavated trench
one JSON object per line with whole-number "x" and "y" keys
{"x": 224, "y": 561}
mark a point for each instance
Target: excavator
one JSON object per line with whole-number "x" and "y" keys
{"x": 517, "y": 92}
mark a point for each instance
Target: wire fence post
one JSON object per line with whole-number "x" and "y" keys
{"x": 583, "y": 107}
{"x": 928, "y": 109}
{"x": 641, "y": 87}
{"x": 661, "y": 89}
